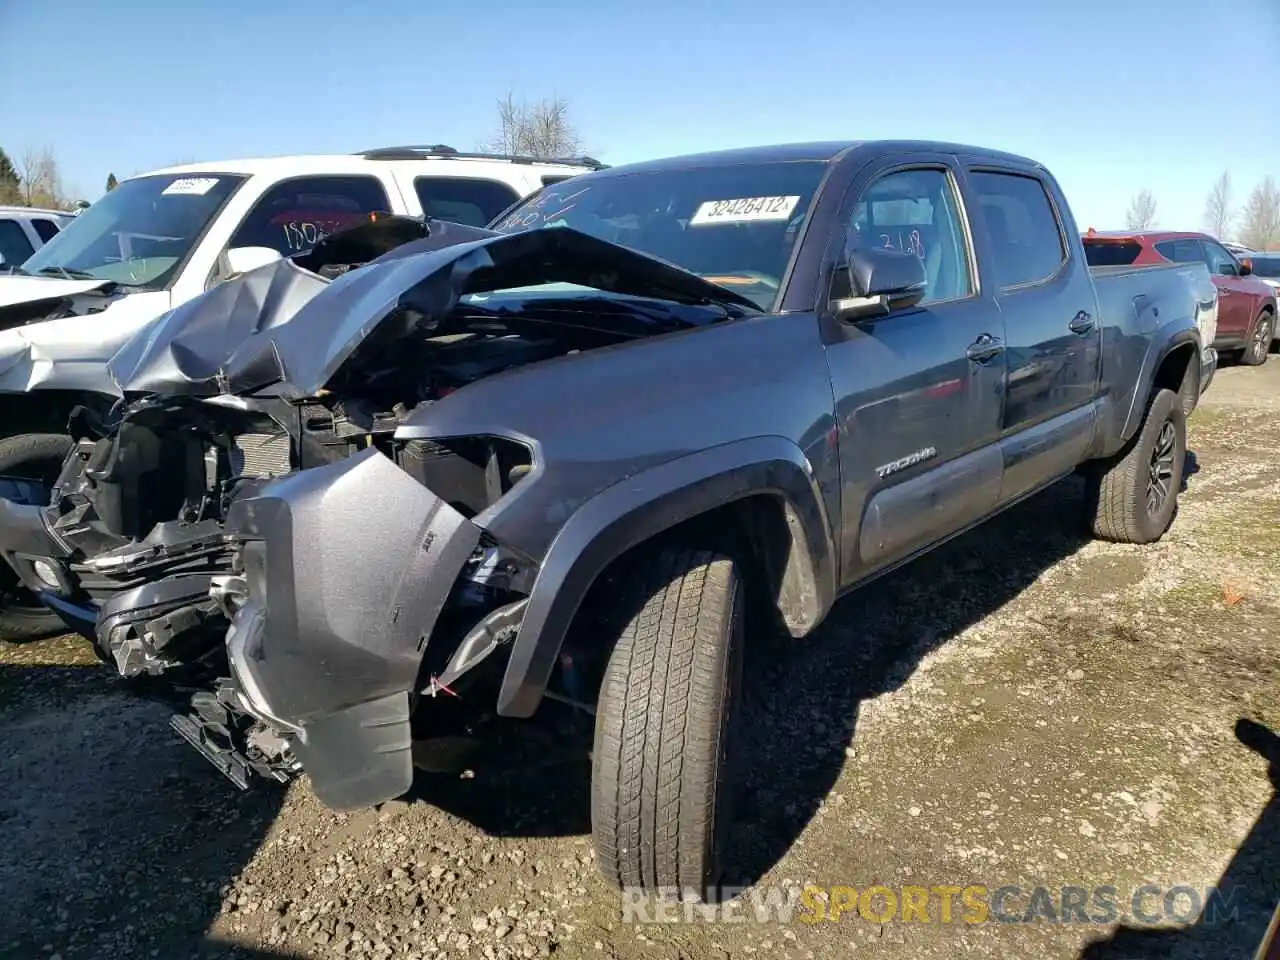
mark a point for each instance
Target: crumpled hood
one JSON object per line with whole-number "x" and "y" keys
{"x": 284, "y": 331}
{"x": 15, "y": 288}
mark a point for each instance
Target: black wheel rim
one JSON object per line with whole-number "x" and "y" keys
{"x": 1261, "y": 340}
{"x": 1160, "y": 471}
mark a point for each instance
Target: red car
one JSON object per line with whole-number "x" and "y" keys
{"x": 1246, "y": 304}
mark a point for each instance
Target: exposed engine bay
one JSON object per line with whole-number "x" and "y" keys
{"x": 141, "y": 502}
{"x": 308, "y": 364}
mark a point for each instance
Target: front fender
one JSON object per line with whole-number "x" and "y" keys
{"x": 635, "y": 509}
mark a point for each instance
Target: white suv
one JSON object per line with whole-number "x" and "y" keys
{"x": 23, "y": 230}
{"x": 160, "y": 239}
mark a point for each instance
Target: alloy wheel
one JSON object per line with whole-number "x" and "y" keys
{"x": 1160, "y": 470}
{"x": 1261, "y": 339}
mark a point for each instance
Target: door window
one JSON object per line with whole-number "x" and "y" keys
{"x": 915, "y": 211}
{"x": 1220, "y": 261}
{"x": 460, "y": 200}
{"x": 46, "y": 229}
{"x": 1026, "y": 239}
{"x": 295, "y": 215}
{"x": 14, "y": 245}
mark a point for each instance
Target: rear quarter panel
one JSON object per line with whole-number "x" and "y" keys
{"x": 1146, "y": 312}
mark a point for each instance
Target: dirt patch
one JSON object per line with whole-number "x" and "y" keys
{"x": 1025, "y": 708}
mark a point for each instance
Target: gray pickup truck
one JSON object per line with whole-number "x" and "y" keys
{"x": 560, "y": 458}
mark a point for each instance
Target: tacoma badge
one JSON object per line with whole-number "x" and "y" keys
{"x": 893, "y": 466}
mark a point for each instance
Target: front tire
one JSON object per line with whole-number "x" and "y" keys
{"x": 1259, "y": 348}
{"x": 31, "y": 456}
{"x": 1133, "y": 496}
{"x": 660, "y": 785}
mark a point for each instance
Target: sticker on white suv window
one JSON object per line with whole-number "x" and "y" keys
{"x": 743, "y": 210}
{"x": 190, "y": 186}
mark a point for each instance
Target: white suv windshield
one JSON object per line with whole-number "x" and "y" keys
{"x": 140, "y": 233}
{"x": 734, "y": 225}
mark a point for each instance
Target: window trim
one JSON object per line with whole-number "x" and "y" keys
{"x": 306, "y": 176}
{"x": 1052, "y": 199}
{"x": 966, "y": 230}
{"x": 489, "y": 180}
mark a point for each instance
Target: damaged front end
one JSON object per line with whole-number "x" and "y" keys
{"x": 272, "y": 497}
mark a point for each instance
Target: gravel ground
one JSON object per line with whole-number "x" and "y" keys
{"x": 1023, "y": 707}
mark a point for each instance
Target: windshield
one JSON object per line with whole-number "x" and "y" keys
{"x": 732, "y": 225}
{"x": 140, "y": 233}
{"x": 1267, "y": 267}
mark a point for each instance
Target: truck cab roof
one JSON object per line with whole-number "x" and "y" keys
{"x": 819, "y": 151}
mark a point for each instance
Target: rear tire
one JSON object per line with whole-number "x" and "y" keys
{"x": 32, "y": 456}
{"x": 660, "y": 785}
{"x": 1133, "y": 496}
{"x": 1259, "y": 348}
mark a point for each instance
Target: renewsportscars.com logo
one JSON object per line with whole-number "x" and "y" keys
{"x": 1147, "y": 904}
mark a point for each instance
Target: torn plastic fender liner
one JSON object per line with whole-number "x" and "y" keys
{"x": 637, "y": 508}
{"x": 347, "y": 567}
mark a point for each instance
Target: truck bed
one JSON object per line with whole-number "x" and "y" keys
{"x": 1150, "y": 292}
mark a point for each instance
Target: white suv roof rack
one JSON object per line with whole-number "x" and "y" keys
{"x": 443, "y": 151}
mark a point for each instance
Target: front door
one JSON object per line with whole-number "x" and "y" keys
{"x": 1054, "y": 340}
{"x": 1235, "y": 293}
{"x": 918, "y": 393}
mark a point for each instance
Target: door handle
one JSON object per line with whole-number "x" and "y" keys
{"x": 984, "y": 348}
{"x": 1224, "y": 290}
{"x": 1081, "y": 323}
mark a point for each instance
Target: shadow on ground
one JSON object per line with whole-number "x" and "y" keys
{"x": 1250, "y": 885}
{"x": 1191, "y": 466}
{"x": 117, "y": 838}
{"x": 801, "y": 697}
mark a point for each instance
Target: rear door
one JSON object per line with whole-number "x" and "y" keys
{"x": 1053, "y": 342}
{"x": 917, "y": 392}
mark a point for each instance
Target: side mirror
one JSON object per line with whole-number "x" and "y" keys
{"x": 881, "y": 279}
{"x": 239, "y": 260}
{"x": 1246, "y": 266}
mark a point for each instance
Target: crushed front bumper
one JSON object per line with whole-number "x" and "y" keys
{"x": 346, "y": 568}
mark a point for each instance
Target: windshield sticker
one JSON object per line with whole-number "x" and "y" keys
{"x": 190, "y": 186}
{"x": 546, "y": 209}
{"x": 743, "y": 210}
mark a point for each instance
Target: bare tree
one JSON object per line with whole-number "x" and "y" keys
{"x": 1142, "y": 211}
{"x": 41, "y": 179}
{"x": 1260, "y": 229}
{"x": 1218, "y": 214}
{"x": 542, "y": 129}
